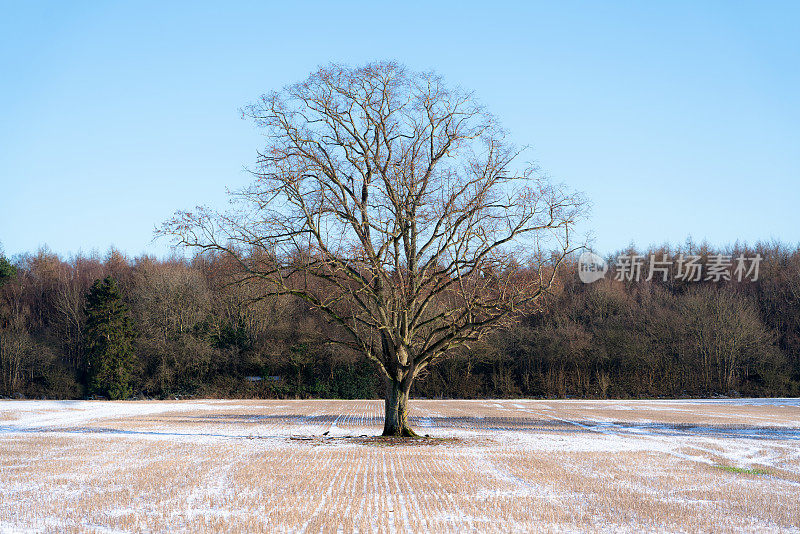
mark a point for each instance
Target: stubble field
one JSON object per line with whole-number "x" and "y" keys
{"x": 491, "y": 466}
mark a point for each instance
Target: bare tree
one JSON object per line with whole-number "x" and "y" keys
{"x": 725, "y": 331}
{"x": 394, "y": 205}
{"x": 15, "y": 340}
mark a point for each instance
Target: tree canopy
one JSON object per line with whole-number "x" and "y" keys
{"x": 394, "y": 204}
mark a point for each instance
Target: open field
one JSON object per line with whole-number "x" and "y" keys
{"x": 511, "y": 465}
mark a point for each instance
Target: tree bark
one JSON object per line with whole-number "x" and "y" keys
{"x": 396, "y": 416}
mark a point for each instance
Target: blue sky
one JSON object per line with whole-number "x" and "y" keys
{"x": 675, "y": 119}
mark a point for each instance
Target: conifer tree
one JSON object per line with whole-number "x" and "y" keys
{"x": 109, "y": 341}
{"x": 7, "y": 270}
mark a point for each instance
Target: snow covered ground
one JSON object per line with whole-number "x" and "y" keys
{"x": 312, "y": 466}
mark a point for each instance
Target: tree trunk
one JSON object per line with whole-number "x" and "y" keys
{"x": 396, "y": 418}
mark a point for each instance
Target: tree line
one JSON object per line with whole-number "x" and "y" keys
{"x": 119, "y": 328}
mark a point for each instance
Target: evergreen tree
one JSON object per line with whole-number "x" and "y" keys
{"x": 7, "y": 270}
{"x": 109, "y": 341}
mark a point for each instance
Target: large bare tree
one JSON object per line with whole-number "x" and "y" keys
{"x": 394, "y": 205}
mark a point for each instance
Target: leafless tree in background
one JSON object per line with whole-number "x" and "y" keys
{"x": 393, "y": 204}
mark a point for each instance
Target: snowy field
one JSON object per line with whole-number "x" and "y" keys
{"x": 506, "y": 466}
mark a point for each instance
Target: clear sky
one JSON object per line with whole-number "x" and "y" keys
{"x": 676, "y": 119}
